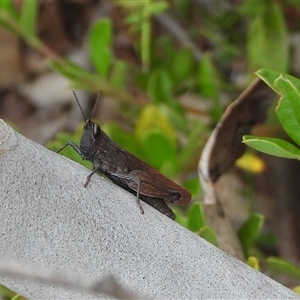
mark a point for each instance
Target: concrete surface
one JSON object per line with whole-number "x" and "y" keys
{"x": 48, "y": 219}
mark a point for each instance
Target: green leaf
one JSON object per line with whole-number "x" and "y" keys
{"x": 157, "y": 138}
{"x": 268, "y": 45}
{"x": 209, "y": 235}
{"x": 134, "y": 19}
{"x": 266, "y": 240}
{"x": 281, "y": 265}
{"x": 272, "y": 146}
{"x": 253, "y": 262}
{"x": 8, "y": 6}
{"x": 157, "y": 7}
{"x": 80, "y": 77}
{"x": 160, "y": 86}
{"x": 151, "y": 117}
{"x": 100, "y": 40}
{"x": 193, "y": 185}
{"x": 296, "y": 289}
{"x": 17, "y": 297}
{"x": 119, "y": 74}
{"x": 195, "y": 218}
{"x": 192, "y": 145}
{"x": 270, "y": 76}
{"x": 208, "y": 78}
{"x": 288, "y": 108}
{"x": 289, "y": 104}
{"x": 288, "y": 88}
{"x": 175, "y": 115}
{"x": 159, "y": 150}
{"x": 70, "y": 70}
{"x": 135, "y": 10}
{"x": 182, "y": 64}
{"x": 209, "y": 82}
{"x": 6, "y": 293}
{"x": 9, "y": 19}
{"x": 8, "y": 11}
{"x": 130, "y": 4}
{"x": 249, "y": 231}
{"x": 28, "y": 18}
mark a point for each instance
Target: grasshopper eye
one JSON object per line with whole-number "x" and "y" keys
{"x": 96, "y": 130}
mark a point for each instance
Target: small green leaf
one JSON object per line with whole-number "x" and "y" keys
{"x": 157, "y": 7}
{"x": 281, "y": 265}
{"x": 253, "y": 262}
{"x": 296, "y": 289}
{"x": 8, "y": 11}
{"x": 195, "y": 218}
{"x": 182, "y": 64}
{"x": 119, "y": 74}
{"x": 80, "y": 77}
{"x": 134, "y": 19}
{"x": 29, "y": 18}
{"x": 176, "y": 116}
{"x": 288, "y": 108}
{"x": 130, "y": 4}
{"x": 159, "y": 149}
{"x": 266, "y": 240}
{"x": 193, "y": 186}
{"x": 158, "y": 139}
{"x": 160, "y": 86}
{"x": 151, "y": 117}
{"x": 8, "y": 6}
{"x": 70, "y": 70}
{"x": 209, "y": 84}
{"x": 17, "y": 297}
{"x": 249, "y": 232}
{"x": 193, "y": 144}
{"x": 6, "y": 293}
{"x": 267, "y": 30}
{"x": 209, "y": 235}
{"x": 208, "y": 78}
{"x": 100, "y": 46}
{"x": 272, "y": 146}
{"x": 270, "y": 76}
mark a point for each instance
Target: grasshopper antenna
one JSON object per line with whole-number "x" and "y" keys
{"x": 84, "y": 118}
{"x": 95, "y": 106}
{"x": 93, "y": 109}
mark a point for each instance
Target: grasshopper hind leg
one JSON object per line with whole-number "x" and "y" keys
{"x": 160, "y": 205}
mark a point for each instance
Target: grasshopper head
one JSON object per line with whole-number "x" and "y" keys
{"x": 91, "y": 133}
{"x": 89, "y": 140}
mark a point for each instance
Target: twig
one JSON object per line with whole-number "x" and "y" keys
{"x": 107, "y": 285}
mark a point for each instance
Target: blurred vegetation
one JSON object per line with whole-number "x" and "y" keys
{"x": 233, "y": 41}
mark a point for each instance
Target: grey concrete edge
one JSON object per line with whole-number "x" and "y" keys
{"x": 49, "y": 220}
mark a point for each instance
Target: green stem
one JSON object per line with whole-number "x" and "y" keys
{"x": 145, "y": 37}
